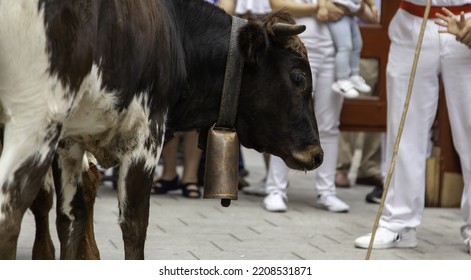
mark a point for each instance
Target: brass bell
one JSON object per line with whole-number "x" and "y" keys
{"x": 221, "y": 173}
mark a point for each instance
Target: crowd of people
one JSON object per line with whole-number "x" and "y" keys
{"x": 333, "y": 41}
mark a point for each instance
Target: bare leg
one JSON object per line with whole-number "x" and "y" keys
{"x": 169, "y": 155}
{"x": 192, "y": 157}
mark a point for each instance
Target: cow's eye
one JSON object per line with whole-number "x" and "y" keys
{"x": 298, "y": 78}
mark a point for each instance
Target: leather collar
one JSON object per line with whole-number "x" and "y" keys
{"x": 232, "y": 80}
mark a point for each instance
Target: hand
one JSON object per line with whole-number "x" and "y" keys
{"x": 368, "y": 14}
{"x": 322, "y": 14}
{"x": 455, "y": 25}
{"x": 450, "y": 22}
{"x": 375, "y": 12}
{"x": 335, "y": 13}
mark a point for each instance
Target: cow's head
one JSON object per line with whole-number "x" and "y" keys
{"x": 276, "y": 112}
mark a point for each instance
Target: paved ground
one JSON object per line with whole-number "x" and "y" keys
{"x": 187, "y": 229}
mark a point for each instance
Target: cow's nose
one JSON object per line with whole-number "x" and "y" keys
{"x": 308, "y": 158}
{"x": 318, "y": 159}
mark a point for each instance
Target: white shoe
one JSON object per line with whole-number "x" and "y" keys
{"x": 386, "y": 238}
{"x": 345, "y": 88}
{"x": 359, "y": 83}
{"x": 275, "y": 202}
{"x": 257, "y": 189}
{"x": 467, "y": 243}
{"x": 332, "y": 203}
{"x": 466, "y": 232}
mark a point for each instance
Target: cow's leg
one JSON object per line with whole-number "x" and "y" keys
{"x": 88, "y": 249}
{"x": 136, "y": 172}
{"x": 71, "y": 212}
{"x": 43, "y": 248}
{"x": 26, "y": 156}
{"x": 134, "y": 183}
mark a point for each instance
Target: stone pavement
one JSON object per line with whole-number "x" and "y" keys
{"x": 186, "y": 229}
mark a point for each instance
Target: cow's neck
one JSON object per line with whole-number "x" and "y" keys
{"x": 205, "y": 40}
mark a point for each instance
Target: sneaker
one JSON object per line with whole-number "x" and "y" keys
{"x": 257, "y": 189}
{"x": 275, "y": 202}
{"x": 359, "y": 83}
{"x": 375, "y": 195}
{"x": 345, "y": 88}
{"x": 332, "y": 203}
{"x": 386, "y": 238}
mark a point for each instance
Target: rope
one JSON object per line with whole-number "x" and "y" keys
{"x": 401, "y": 126}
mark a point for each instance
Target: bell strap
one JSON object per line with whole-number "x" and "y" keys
{"x": 232, "y": 79}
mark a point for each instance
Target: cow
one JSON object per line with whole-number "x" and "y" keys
{"x": 112, "y": 79}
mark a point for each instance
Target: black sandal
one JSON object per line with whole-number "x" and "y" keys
{"x": 191, "y": 190}
{"x": 162, "y": 186}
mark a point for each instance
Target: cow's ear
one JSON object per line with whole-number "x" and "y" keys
{"x": 253, "y": 42}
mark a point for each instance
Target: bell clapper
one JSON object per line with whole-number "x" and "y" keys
{"x": 225, "y": 202}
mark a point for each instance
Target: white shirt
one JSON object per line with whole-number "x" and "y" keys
{"x": 352, "y": 5}
{"x": 316, "y": 35}
{"x": 256, "y": 7}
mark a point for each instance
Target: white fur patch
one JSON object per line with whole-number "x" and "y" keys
{"x": 31, "y": 100}
{"x": 136, "y": 119}
{"x": 71, "y": 162}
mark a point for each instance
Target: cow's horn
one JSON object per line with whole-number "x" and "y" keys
{"x": 285, "y": 29}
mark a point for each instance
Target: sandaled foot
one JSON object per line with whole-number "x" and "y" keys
{"x": 191, "y": 190}
{"x": 162, "y": 186}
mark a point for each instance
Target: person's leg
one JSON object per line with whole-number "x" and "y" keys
{"x": 169, "y": 179}
{"x": 192, "y": 155}
{"x": 371, "y": 159}
{"x": 344, "y": 159}
{"x": 266, "y": 160}
{"x": 327, "y": 108}
{"x": 371, "y": 153}
{"x": 404, "y": 203}
{"x": 357, "y": 44}
{"x": 342, "y": 37}
{"x": 370, "y": 172}
{"x": 169, "y": 156}
{"x": 242, "y": 183}
{"x": 455, "y": 75}
{"x": 405, "y": 200}
{"x": 276, "y": 185}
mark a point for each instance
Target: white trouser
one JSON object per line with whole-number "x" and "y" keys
{"x": 327, "y": 106}
{"x": 440, "y": 54}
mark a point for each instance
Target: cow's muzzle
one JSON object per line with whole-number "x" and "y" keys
{"x": 306, "y": 159}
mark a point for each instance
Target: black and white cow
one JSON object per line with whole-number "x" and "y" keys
{"x": 110, "y": 77}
